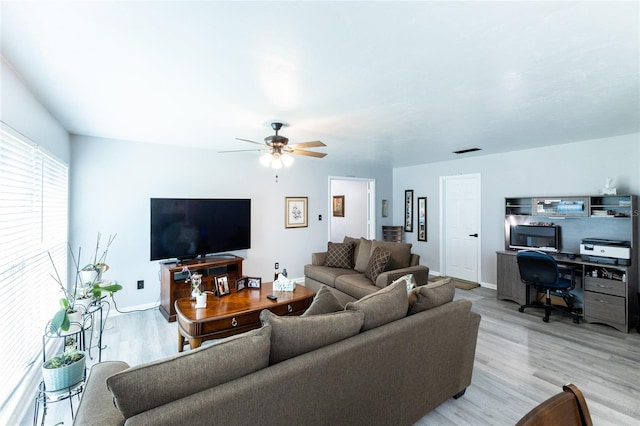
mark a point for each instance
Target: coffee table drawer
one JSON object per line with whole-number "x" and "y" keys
{"x": 291, "y": 308}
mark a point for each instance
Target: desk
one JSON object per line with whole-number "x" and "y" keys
{"x": 610, "y": 291}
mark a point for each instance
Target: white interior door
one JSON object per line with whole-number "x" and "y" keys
{"x": 460, "y": 222}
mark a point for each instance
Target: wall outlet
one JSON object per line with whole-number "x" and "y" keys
{"x": 277, "y": 265}
{"x": 140, "y": 284}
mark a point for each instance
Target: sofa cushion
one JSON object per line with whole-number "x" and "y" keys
{"x": 356, "y": 286}
{"x": 400, "y": 253}
{"x": 339, "y": 255}
{"x": 431, "y": 295}
{"x": 153, "y": 384}
{"x": 292, "y": 335}
{"x": 324, "y": 302}
{"x": 377, "y": 262}
{"x": 383, "y": 306}
{"x": 325, "y": 274}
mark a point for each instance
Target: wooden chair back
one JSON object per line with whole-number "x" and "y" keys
{"x": 567, "y": 408}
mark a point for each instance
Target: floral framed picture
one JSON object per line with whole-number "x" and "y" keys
{"x": 254, "y": 282}
{"x": 222, "y": 285}
{"x": 295, "y": 212}
{"x": 338, "y": 205}
{"x": 408, "y": 210}
{"x": 422, "y": 218}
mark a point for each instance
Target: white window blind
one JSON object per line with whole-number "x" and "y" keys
{"x": 33, "y": 223}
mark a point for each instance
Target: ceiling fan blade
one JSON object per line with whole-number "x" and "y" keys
{"x": 307, "y": 153}
{"x": 241, "y": 150}
{"x": 312, "y": 144}
{"x": 247, "y": 140}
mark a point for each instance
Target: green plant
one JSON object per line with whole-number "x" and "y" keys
{"x": 99, "y": 263}
{"x": 66, "y": 358}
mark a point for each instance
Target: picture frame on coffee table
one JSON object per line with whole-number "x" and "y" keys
{"x": 254, "y": 282}
{"x": 222, "y": 285}
{"x": 241, "y": 284}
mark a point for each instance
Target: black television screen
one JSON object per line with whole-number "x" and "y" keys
{"x": 186, "y": 228}
{"x": 539, "y": 237}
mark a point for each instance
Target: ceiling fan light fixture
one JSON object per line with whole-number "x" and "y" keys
{"x": 266, "y": 159}
{"x": 276, "y": 163}
{"x": 287, "y": 160}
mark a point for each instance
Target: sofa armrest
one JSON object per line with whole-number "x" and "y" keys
{"x": 420, "y": 274}
{"x": 96, "y": 406}
{"x": 319, "y": 258}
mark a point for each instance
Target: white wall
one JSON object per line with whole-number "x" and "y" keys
{"x": 112, "y": 181}
{"x": 570, "y": 169}
{"x": 23, "y": 112}
{"x": 354, "y": 222}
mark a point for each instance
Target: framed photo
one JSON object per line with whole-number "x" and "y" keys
{"x": 295, "y": 211}
{"x": 385, "y": 208}
{"x": 241, "y": 284}
{"x": 338, "y": 205}
{"x": 408, "y": 210}
{"x": 253, "y": 282}
{"x": 422, "y": 218}
{"x": 222, "y": 285}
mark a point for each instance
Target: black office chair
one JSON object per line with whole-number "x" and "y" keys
{"x": 541, "y": 271}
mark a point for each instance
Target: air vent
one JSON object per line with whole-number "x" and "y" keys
{"x": 465, "y": 151}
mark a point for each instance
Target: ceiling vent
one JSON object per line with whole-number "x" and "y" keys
{"x": 465, "y": 151}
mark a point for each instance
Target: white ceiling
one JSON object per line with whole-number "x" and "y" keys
{"x": 387, "y": 82}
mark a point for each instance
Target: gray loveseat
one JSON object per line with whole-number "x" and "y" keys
{"x": 389, "y": 371}
{"x": 348, "y": 280}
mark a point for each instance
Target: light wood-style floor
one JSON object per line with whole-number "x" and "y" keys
{"x": 520, "y": 361}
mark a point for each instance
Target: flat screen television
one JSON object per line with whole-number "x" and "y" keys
{"x": 187, "y": 228}
{"x": 538, "y": 237}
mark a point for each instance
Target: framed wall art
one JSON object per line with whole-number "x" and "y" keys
{"x": 408, "y": 210}
{"x": 385, "y": 208}
{"x": 295, "y": 210}
{"x": 338, "y": 205}
{"x": 422, "y": 218}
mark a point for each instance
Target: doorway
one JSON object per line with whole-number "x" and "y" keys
{"x": 358, "y": 208}
{"x": 460, "y": 227}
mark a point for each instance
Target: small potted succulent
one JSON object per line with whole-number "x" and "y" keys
{"x": 64, "y": 371}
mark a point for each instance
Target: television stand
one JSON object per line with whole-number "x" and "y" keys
{"x": 174, "y": 287}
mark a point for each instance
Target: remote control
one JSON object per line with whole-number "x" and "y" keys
{"x": 272, "y": 297}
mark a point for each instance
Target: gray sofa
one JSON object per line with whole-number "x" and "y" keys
{"x": 350, "y": 283}
{"x": 383, "y": 374}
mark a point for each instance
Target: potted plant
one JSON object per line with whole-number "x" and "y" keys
{"x": 92, "y": 272}
{"x": 83, "y": 292}
{"x": 64, "y": 370}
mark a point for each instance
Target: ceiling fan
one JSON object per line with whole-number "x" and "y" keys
{"x": 277, "y": 149}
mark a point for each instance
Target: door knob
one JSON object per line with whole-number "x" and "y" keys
{"x": 474, "y": 235}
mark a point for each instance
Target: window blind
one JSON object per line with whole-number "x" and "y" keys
{"x": 33, "y": 223}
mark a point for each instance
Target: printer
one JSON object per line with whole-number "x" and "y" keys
{"x": 609, "y": 252}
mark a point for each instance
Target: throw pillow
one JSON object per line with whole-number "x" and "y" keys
{"x": 340, "y": 255}
{"x": 431, "y": 295}
{"x": 292, "y": 336}
{"x": 383, "y": 306}
{"x": 400, "y": 253}
{"x": 324, "y": 302}
{"x": 361, "y": 254}
{"x": 377, "y": 262}
{"x": 151, "y": 385}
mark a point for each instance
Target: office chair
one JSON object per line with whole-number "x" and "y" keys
{"x": 567, "y": 408}
{"x": 540, "y": 270}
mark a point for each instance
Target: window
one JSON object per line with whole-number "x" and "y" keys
{"x": 33, "y": 223}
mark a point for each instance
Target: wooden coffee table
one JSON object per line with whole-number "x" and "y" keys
{"x": 235, "y": 313}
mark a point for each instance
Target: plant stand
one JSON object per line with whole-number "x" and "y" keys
{"x": 44, "y": 397}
